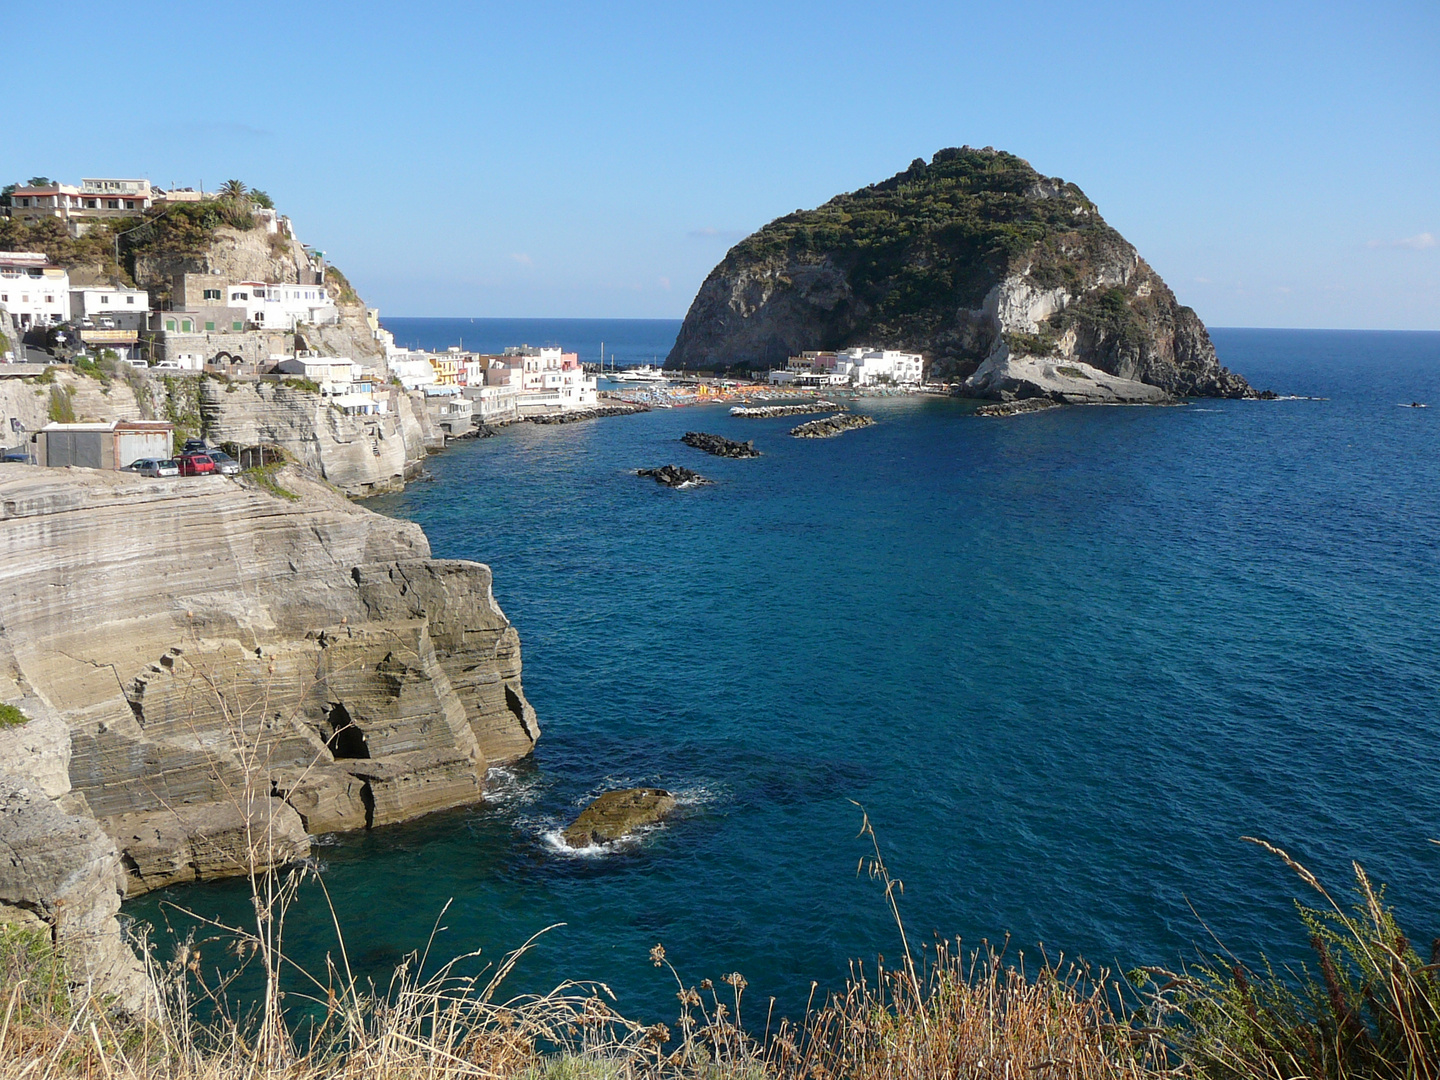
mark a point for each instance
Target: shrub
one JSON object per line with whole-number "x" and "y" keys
{"x": 62, "y": 404}
{"x": 10, "y": 716}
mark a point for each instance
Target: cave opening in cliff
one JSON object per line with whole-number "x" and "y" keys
{"x": 346, "y": 739}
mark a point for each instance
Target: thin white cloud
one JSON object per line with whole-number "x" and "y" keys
{"x": 1418, "y": 242}
{"x": 523, "y": 259}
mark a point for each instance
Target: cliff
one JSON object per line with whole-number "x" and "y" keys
{"x": 214, "y": 671}
{"x": 1004, "y": 279}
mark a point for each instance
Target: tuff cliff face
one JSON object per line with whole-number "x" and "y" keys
{"x": 221, "y": 672}
{"x": 975, "y": 260}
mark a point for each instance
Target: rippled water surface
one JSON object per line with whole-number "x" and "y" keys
{"x": 1065, "y": 660}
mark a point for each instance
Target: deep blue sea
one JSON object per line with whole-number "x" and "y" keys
{"x": 1064, "y": 660}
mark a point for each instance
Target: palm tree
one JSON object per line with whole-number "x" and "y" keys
{"x": 233, "y": 189}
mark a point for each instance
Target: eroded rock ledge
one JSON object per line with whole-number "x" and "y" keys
{"x": 215, "y": 673}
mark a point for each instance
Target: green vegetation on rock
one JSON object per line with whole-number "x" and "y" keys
{"x": 954, "y": 259}
{"x": 10, "y": 717}
{"x": 62, "y": 404}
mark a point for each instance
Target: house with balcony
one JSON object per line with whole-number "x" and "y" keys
{"x": 33, "y": 290}
{"x": 281, "y": 306}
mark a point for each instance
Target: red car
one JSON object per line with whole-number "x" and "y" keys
{"x": 196, "y": 465}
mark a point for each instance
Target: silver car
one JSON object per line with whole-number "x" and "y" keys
{"x": 153, "y": 467}
{"x": 225, "y": 465}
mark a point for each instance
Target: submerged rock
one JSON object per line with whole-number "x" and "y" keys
{"x": 673, "y": 475}
{"x": 617, "y": 814}
{"x": 719, "y": 445}
{"x": 831, "y": 426}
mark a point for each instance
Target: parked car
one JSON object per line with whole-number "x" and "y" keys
{"x": 225, "y": 465}
{"x": 195, "y": 446}
{"x": 153, "y": 467}
{"x": 15, "y": 456}
{"x": 196, "y": 465}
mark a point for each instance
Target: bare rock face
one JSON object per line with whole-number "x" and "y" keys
{"x": 361, "y": 455}
{"x": 229, "y": 664}
{"x": 617, "y": 814}
{"x": 60, "y": 873}
{"x": 958, "y": 259}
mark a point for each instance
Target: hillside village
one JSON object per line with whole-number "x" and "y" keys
{"x": 139, "y": 286}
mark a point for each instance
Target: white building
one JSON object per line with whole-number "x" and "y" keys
{"x": 550, "y": 378}
{"x": 875, "y": 367}
{"x": 100, "y": 302}
{"x": 345, "y": 383}
{"x": 34, "y": 292}
{"x": 411, "y": 367}
{"x": 280, "y": 307}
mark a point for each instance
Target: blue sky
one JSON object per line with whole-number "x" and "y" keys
{"x": 1279, "y": 164}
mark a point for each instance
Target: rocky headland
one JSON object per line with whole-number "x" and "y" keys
{"x": 719, "y": 445}
{"x": 215, "y": 670}
{"x": 830, "y": 426}
{"x": 1009, "y": 282}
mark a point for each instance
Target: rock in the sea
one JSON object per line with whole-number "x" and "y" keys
{"x": 830, "y": 426}
{"x": 719, "y": 445}
{"x": 970, "y": 258}
{"x": 617, "y": 814}
{"x": 673, "y": 476}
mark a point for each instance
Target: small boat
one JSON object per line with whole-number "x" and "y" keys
{"x": 643, "y": 374}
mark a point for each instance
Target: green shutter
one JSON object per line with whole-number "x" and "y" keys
{"x": 209, "y": 326}
{"x": 170, "y": 324}
{"x": 186, "y": 325}
{"x": 237, "y": 325}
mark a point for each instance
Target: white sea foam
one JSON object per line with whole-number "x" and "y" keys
{"x": 505, "y": 785}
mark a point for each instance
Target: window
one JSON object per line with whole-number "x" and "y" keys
{"x": 112, "y": 204}
{"x": 212, "y": 294}
{"x": 237, "y": 325}
{"x": 186, "y": 325}
{"x": 170, "y": 325}
{"x": 130, "y": 299}
{"x": 209, "y": 326}
{"x": 49, "y": 299}
{"x": 104, "y": 299}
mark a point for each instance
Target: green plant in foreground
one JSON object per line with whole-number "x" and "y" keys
{"x": 1370, "y": 1008}
{"x": 10, "y": 717}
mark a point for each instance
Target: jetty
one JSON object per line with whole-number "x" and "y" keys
{"x": 831, "y": 426}
{"x": 785, "y": 410}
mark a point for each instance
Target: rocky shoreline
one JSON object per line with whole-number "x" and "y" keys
{"x": 575, "y": 415}
{"x": 832, "y": 426}
{"x": 364, "y": 682}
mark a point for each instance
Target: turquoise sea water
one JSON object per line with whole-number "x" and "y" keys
{"x": 1064, "y": 660}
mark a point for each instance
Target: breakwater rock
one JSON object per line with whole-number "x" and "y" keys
{"x": 719, "y": 445}
{"x": 970, "y": 258}
{"x": 761, "y": 411}
{"x": 616, "y": 814}
{"x": 1015, "y": 408}
{"x": 573, "y": 415}
{"x": 216, "y": 671}
{"x": 831, "y": 426}
{"x": 675, "y": 476}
